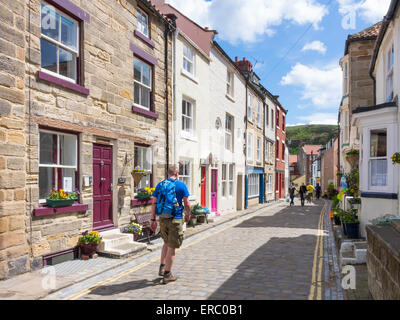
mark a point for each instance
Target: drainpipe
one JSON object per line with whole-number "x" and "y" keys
{"x": 245, "y": 156}
{"x": 166, "y": 36}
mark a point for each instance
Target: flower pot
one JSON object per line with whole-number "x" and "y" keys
{"x": 88, "y": 249}
{"x": 137, "y": 177}
{"x": 352, "y": 230}
{"x": 201, "y": 219}
{"x": 58, "y": 203}
{"x": 135, "y": 236}
{"x": 193, "y": 221}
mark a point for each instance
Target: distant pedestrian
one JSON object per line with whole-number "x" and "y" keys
{"x": 318, "y": 191}
{"x": 167, "y": 205}
{"x": 302, "y": 192}
{"x": 292, "y": 190}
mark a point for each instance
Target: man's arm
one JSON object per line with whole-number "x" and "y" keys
{"x": 153, "y": 224}
{"x": 188, "y": 207}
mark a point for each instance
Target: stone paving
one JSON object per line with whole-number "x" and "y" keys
{"x": 269, "y": 255}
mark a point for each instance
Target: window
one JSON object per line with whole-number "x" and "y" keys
{"x": 271, "y": 147}
{"x": 378, "y": 161}
{"x": 228, "y": 132}
{"x": 142, "y": 84}
{"x": 250, "y": 146}
{"x": 258, "y": 149}
{"x": 231, "y": 178}
{"x": 229, "y": 83}
{"x": 224, "y": 182}
{"x": 188, "y": 59}
{"x": 389, "y": 74}
{"x": 272, "y": 119}
{"x": 142, "y": 22}
{"x": 250, "y": 107}
{"x": 267, "y": 116}
{"x": 346, "y": 126}
{"x": 258, "y": 113}
{"x": 283, "y": 121}
{"x": 277, "y": 149}
{"x": 59, "y": 44}
{"x": 283, "y": 151}
{"x": 187, "y": 116}
{"x": 143, "y": 158}
{"x": 58, "y": 162}
{"x": 277, "y": 118}
{"x": 269, "y": 185}
{"x": 254, "y": 185}
{"x": 345, "y": 80}
{"x": 185, "y": 173}
{"x": 266, "y": 151}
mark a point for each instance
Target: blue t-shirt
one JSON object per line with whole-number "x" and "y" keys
{"x": 181, "y": 192}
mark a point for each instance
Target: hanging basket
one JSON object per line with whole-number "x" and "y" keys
{"x": 138, "y": 176}
{"x": 353, "y": 160}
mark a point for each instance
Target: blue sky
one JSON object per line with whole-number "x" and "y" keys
{"x": 295, "y": 45}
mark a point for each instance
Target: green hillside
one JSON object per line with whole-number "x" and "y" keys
{"x": 309, "y": 134}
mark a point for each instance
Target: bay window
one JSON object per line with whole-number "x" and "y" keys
{"x": 378, "y": 160}
{"x": 58, "y": 162}
{"x": 143, "y": 158}
{"x": 142, "y": 84}
{"x": 59, "y": 44}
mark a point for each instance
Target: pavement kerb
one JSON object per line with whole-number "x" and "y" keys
{"x": 150, "y": 254}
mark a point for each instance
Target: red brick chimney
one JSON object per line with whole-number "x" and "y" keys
{"x": 244, "y": 64}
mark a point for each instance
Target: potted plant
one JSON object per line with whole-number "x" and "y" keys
{"x": 57, "y": 199}
{"x": 351, "y": 224}
{"x": 337, "y": 214}
{"x": 396, "y": 158}
{"x": 352, "y": 157}
{"x": 138, "y": 174}
{"x": 355, "y": 203}
{"x": 135, "y": 229}
{"x": 89, "y": 242}
{"x": 145, "y": 193}
{"x": 198, "y": 212}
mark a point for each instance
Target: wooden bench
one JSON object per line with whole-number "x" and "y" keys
{"x": 144, "y": 219}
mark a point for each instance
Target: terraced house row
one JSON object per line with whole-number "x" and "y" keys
{"x": 90, "y": 90}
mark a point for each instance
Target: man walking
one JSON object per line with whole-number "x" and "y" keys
{"x": 302, "y": 192}
{"x": 318, "y": 191}
{"x": 292, "y": 190}
{"x": 167, "y": 204}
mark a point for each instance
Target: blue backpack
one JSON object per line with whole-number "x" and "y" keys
{"x": 167, "y": 204}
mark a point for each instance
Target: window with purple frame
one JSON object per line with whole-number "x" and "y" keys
{"x": 58, "y": 162}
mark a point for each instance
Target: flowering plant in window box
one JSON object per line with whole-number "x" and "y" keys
{"x": 135, "y": 229}
{"x": 138, "y": 174}
{"x": 57, "y": 199}
{"x": 145, "y": 193}
{"x": 89, "y": 242}
{"x": 396, "y": 158}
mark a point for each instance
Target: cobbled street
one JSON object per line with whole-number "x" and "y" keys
{"x": 274, "y": 254}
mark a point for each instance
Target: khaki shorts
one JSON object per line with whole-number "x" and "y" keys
{"x": 172, "y": 232}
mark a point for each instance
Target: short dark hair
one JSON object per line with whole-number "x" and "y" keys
{"x": 173, "y": 170}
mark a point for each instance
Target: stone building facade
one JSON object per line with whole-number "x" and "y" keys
{"x": 85, "y": 97}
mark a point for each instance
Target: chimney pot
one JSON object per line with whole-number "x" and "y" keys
{"x": 206, "y": 28}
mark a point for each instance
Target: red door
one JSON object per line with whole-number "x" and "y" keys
{"x": 203, "y": 186}
{"x": 214, "y": 190}
{"x": 102, "y": 187}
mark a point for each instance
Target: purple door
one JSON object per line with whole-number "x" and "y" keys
{"x": 214, "y": 190}
{"x": 102, "y": 187}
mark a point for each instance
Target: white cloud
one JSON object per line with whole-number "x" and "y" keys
{"x": 322, "y": 87}
{"x": 316, "y": 46}
{"x": 320, "y": 118}
{"x": 370, "y": 11}
{"x": 247, "y": 21}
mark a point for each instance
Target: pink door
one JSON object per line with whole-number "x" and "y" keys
{"x": 102, "y": 187}
{"x": 214, "y": 190}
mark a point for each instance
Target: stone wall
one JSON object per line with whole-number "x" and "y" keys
{"x": 383, "y": 261}
{"x": 14, "y": 251}
{"x": 104, "y": 116}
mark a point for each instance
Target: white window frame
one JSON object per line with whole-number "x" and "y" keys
{"x": 253, "y": 185}
{"x": 250, "y": 146}
{"x": 269, "y": 184}
{"x": 140, "y": 26}
{"x": 231, "y": 179}
{"x": 250, "y": 107}
{"x": 228, "y": 133}
{"x": 389, "y": 73}
{"x": 58, "y": 44}
{"x": 146, "y": 152}
{"x": 58, "y": 165}
{"x": 189, "y": 163}
{"x": 140, "y": 83}
{"x": 187, "y": 59}
{"x": 266, "y": 116}
{"x": 258, "y": 149}
{"x": 259, "y": 113}
{"x": 229, "y": 83}
{"x": 188, "y": 131}
{"x": 224, "y": 180}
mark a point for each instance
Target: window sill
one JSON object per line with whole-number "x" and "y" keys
{"x": 140, "y": 202}
{"x": 229, "y": 97}
{"x": 188, "y": 137}
{"x": 144, "y": 38}
{"x": 46, "y": 211}
{"x": 144, "y": 112}
{"x": 63, "y": 83}
{"x": 190, "y": 76}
